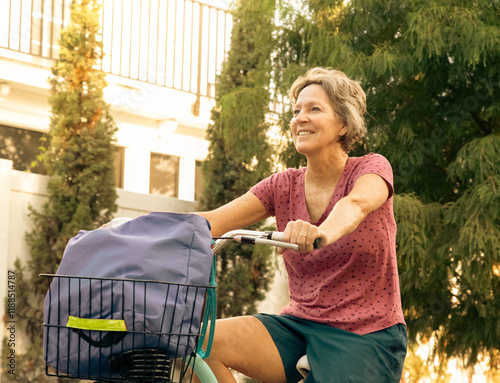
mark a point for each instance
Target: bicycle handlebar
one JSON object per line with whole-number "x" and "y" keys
{"x": 269, "y": 238}
{"x": 278, "y": 236}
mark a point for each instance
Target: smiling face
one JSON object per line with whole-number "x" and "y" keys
{"x": 315, "y": 127}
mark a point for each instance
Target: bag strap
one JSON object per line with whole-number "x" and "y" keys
{"x": 108, "y": 340}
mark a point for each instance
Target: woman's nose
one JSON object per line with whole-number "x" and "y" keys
{"x": 300, "y": 116}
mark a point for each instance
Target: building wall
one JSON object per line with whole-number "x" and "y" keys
{"x": 149, "y": 118}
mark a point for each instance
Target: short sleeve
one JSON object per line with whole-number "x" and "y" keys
{"x": 375, "y": 164}
{"x": 264, "y": 191}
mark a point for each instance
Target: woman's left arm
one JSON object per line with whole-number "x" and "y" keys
{"x": 370, "y": 191}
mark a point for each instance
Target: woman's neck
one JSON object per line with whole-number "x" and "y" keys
{"x": 325, "y": 171}
{"x": 320, "y": 181}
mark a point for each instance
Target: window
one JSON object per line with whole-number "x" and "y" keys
{"x": 198, "y": 181}
{"x": 22, "y": 147}
{"x": 119, "y": 166}
{"x": 164, "y": 175}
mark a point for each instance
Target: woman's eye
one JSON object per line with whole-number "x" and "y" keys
{"x": 296, "y": 111}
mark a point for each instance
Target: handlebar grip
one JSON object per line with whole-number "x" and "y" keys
{"x": 317, "y": 243}
{"x": 275, "y": 235}
{"x": 278, "y": 236}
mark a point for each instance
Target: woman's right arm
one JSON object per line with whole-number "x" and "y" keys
{"x": 237, "y": 214}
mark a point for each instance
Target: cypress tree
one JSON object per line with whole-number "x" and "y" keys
{"x": 239, "y": 152}
{"x": 78, "y": 158}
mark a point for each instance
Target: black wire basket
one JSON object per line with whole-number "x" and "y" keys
{"x": 122, "y": 330}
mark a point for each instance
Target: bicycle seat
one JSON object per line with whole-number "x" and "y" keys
{"x": 303, "y": 366}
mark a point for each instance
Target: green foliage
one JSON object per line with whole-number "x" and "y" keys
{"x": 431, "y": 74}
{"x": 79, "y": 161}
{"x": 473, "y": 227}
{"x": 239, "y": 152}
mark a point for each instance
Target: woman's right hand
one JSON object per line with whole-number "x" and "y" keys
{"x": 303, "y": 234}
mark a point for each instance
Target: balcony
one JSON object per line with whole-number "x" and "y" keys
{"x": 161, "y": 58}
{"x": 176, "y": 44}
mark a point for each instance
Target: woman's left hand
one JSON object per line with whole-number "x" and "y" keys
{"x": 303, "y": 234}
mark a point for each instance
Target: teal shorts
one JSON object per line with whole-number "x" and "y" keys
{"x": 337, "y": 355}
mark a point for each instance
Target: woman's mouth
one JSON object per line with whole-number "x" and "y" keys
{"x": 304, "y": 133}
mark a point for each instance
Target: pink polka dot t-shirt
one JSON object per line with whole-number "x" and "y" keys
{"x": 353, "y": 283}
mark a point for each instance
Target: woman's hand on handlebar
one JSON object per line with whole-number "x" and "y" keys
{"x": 304, "y": 235}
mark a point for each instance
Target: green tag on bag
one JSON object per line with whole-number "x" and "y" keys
{"x": 97, "y": 324}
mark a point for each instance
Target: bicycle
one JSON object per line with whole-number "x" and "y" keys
{"x": 150, "y": 364}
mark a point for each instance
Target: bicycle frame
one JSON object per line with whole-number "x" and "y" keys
{"x": 200, "y": 367}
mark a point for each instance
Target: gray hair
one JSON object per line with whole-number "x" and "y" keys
{"x": 346, "y": 97}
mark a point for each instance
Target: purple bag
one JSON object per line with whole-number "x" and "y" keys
{"x": 109, "y": 295}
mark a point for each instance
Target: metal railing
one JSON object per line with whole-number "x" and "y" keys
{"x": 179, "y": 44}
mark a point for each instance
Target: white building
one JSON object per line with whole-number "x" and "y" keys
{"x": 162, "y": 58}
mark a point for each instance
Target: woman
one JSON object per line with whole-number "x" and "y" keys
{"x": 345, "y": 307}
